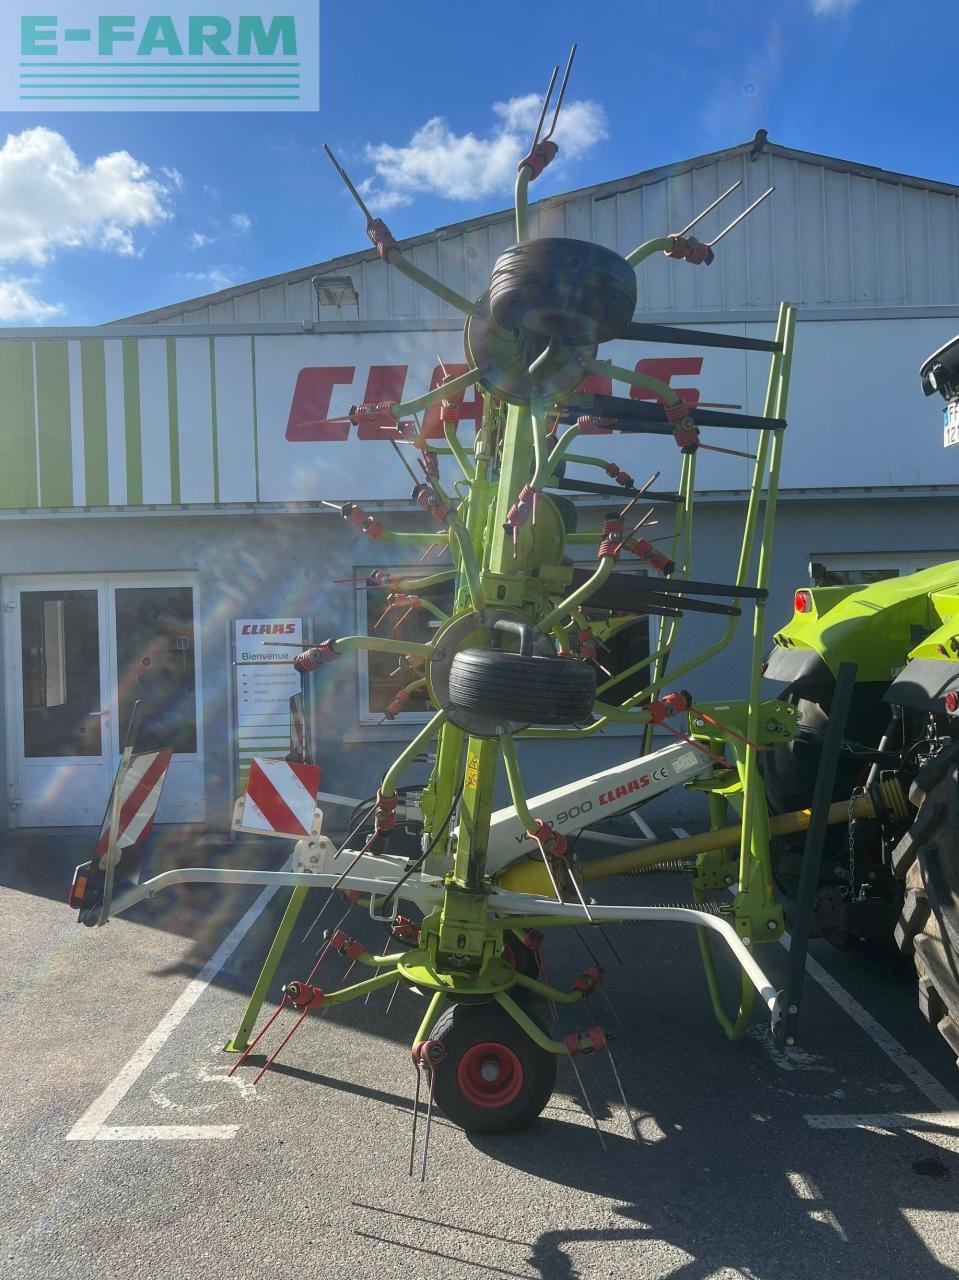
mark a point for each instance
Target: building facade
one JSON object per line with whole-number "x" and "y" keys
{"x": 161, "y": 478}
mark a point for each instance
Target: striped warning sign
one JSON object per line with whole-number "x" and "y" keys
{"x": 280, "y": 797}
{"x": 139, "y": 797}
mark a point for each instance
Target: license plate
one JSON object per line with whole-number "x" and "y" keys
{"x": 950, "y": 424}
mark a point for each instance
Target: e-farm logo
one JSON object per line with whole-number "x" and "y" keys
{"x": 231, "y": 55}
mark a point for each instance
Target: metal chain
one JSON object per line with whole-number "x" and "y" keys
{"x": 851, "y": 840}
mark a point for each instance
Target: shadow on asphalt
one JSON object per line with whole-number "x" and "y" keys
{"x": 736, "y": 1216}
{"x": 41, "y": 862}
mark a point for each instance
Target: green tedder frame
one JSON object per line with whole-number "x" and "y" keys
{"x": 490, "y": 503}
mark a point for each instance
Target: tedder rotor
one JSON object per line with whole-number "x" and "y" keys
{"x": 515, "y": 659}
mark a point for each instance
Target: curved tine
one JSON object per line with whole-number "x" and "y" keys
{"x": 745, "y": 213}
{"x": 562, "y": 92}
{"x": 542, "y": 114}
{"x": 709, "y": 208}
{"x": 349, "y": 185}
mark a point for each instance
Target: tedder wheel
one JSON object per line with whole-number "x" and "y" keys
{"x": 521, "y": 958}
{"x": 565, "y": 506}
{"x": 517, "y": 687}
{"x": 928, "y": 856}
{"x": 494, "y": 1079}
{"x": 567, "y": 289}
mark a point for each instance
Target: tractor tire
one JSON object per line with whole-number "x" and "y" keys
{"x": 928, "y": 927}
{"x": 570, "y": 290}
{"x": 789, "y": 776}
{"x": 494, "y": 1078}
{"x": 519, "y": 688}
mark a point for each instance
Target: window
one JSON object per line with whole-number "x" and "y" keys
{"x": 838, "y": 569}
{"x": 384, "y": 675}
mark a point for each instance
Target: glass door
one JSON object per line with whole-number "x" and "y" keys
{"x": 153, "y": 662}
{"x": 60, "y": 712}
{"x": 80, "y": 654}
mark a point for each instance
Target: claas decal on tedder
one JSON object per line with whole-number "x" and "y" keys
{"x": 515, "y": 659}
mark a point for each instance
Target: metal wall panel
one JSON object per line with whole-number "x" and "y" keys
{"x": 835, "y": 234}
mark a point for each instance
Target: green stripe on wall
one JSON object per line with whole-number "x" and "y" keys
{"x": 174, "y": 420}
{"x": 216, "y": 447}
{"x": 131, "y": 420}
{"x": 95, "y": 446}
{"x": 256, "y": 425}
{"x": 18, "y": 453}
{"x": 53, "y": 420}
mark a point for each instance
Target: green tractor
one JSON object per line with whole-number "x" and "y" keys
{"x": 893, "y": 879}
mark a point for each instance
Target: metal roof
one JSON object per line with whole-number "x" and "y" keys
{"x": 835, "y": 235}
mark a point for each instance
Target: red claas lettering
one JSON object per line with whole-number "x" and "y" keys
{"x": 597, "y": 384}
{"x": 386, "y": 382}
{"x": 309, "y": 412}
{"x": 666, "y": 368}
{"x": 470, "y": 410}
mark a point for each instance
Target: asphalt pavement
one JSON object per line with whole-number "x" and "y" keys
{"x": 127, "y": 1151}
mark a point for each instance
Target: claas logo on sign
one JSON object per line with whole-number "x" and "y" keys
{"x": 310, "y": 418}
{"x": 267, "y": 628}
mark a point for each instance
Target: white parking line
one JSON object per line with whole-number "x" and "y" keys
{"x": 921, "y": 1121}
{"x": 924, "y": 1081}
{"x": 92, "y": 1127}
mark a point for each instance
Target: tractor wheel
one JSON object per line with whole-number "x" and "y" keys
{"x": 519, "y": 688}
{"x": 789, "y": 775}
{"x": 928, "y": 927}
{"x": 494, "y": 1078}
{"x": 570, "y": 290}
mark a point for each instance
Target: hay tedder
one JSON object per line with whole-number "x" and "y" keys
{"x": 516, "y": 659}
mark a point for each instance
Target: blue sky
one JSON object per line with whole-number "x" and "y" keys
{"x": 104, "y": 215}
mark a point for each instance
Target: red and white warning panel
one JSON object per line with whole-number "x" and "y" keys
{"x": 139, "y": 798}
{"x": 280, "y": 798}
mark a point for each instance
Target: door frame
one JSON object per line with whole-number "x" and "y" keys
{"x": 106, "y": 585}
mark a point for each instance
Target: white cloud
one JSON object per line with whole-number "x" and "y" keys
{"x": 175, "y": 176}
{"x": 199, "y": 241}
{"x": 50, "y": 200}
{"x": 213, "y": 279}
{"x": 19, "y": 304}
{"x": 833, "y": 6}
{"x": 468, "y": 167}
{"x": 240, "y": 222}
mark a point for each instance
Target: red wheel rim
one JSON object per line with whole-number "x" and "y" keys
{"x": 489, "y": 1075}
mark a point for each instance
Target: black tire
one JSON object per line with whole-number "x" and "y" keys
{"x": 494, "y": 1079}
{"x": 789, "y": 776}
{"x": 521, "y": 958}
{"x": 404, "y": 839}
{"x": 568, "y": 289}
{"x": 565, "y": 506}
{"x": 514, "y": 687}
{"x": 627, "y": 645}
{"x": 928, "y": 856}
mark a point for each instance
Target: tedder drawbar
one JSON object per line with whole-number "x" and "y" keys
{"x": 516, "y": 658}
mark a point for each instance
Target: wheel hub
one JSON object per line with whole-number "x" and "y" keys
{"x": 490, "y": 1075}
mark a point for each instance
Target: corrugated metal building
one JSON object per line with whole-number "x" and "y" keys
{"x": 161, "y": 476}
{"x": 836, "y": 237}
